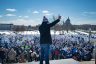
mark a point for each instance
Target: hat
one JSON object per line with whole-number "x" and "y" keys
{"x": 45, "y": 19}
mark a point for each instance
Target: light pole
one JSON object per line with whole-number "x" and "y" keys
{"x": 89, "y": 34}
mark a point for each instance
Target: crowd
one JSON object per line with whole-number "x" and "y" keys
{"x": 20, "y": 48}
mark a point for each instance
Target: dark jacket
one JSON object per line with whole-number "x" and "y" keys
{"x": 44, "y": 29}
{"x": 2, "y": 54}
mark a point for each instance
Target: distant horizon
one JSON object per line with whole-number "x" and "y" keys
{"x": 39, "y": 24}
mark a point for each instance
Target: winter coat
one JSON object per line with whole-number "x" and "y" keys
{"x": 44, "y": 29}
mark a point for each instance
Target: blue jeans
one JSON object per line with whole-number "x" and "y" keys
{"x": 44, "y": 53}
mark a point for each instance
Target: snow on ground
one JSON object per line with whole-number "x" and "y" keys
{"x": 71, "y": 35}
{"x": 62, "y": 61}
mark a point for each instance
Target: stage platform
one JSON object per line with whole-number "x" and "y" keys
{"x": 62, "y": 61}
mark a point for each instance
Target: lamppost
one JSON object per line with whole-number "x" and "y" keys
{"x": 89, "y": 34}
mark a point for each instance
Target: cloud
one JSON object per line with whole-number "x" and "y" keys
{"x": 19, "y": 16}
{"x": 24, "y": 22}
{"x": 48, "y": 14}
{"x": 1, "y": 16}
{"x": 23, "y": 16}
{"x": 89, "y": 13}
{"x": 10, "y": 15}
{"x": 45, "y": 11}
{"x": 35, "y": 12}
{"x": 11, "y": 10}
{"x": 26, "y": 16}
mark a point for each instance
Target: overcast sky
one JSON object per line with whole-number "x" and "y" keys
{"x": 31, "y": 12}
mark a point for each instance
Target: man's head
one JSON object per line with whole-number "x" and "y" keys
{"x": 45, "y": 20}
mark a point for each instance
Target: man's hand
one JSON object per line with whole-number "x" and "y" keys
{"x": 59, "y": 17}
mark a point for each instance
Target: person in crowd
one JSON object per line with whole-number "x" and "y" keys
{"x": 57, "y": 53}
{"x": 12, "y": 56}
{"x": 22, "y": 58}
{"x": 80, "y": 48}
{"x": 2, "y": 55}
{"x": 69, "y": 53}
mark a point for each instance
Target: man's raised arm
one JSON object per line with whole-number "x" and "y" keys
{"x": 55, "y": 22}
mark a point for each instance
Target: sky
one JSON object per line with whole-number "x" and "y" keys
{"x": 31, "y": 12}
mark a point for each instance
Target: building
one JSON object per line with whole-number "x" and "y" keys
{"x": 6, "y": 26}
